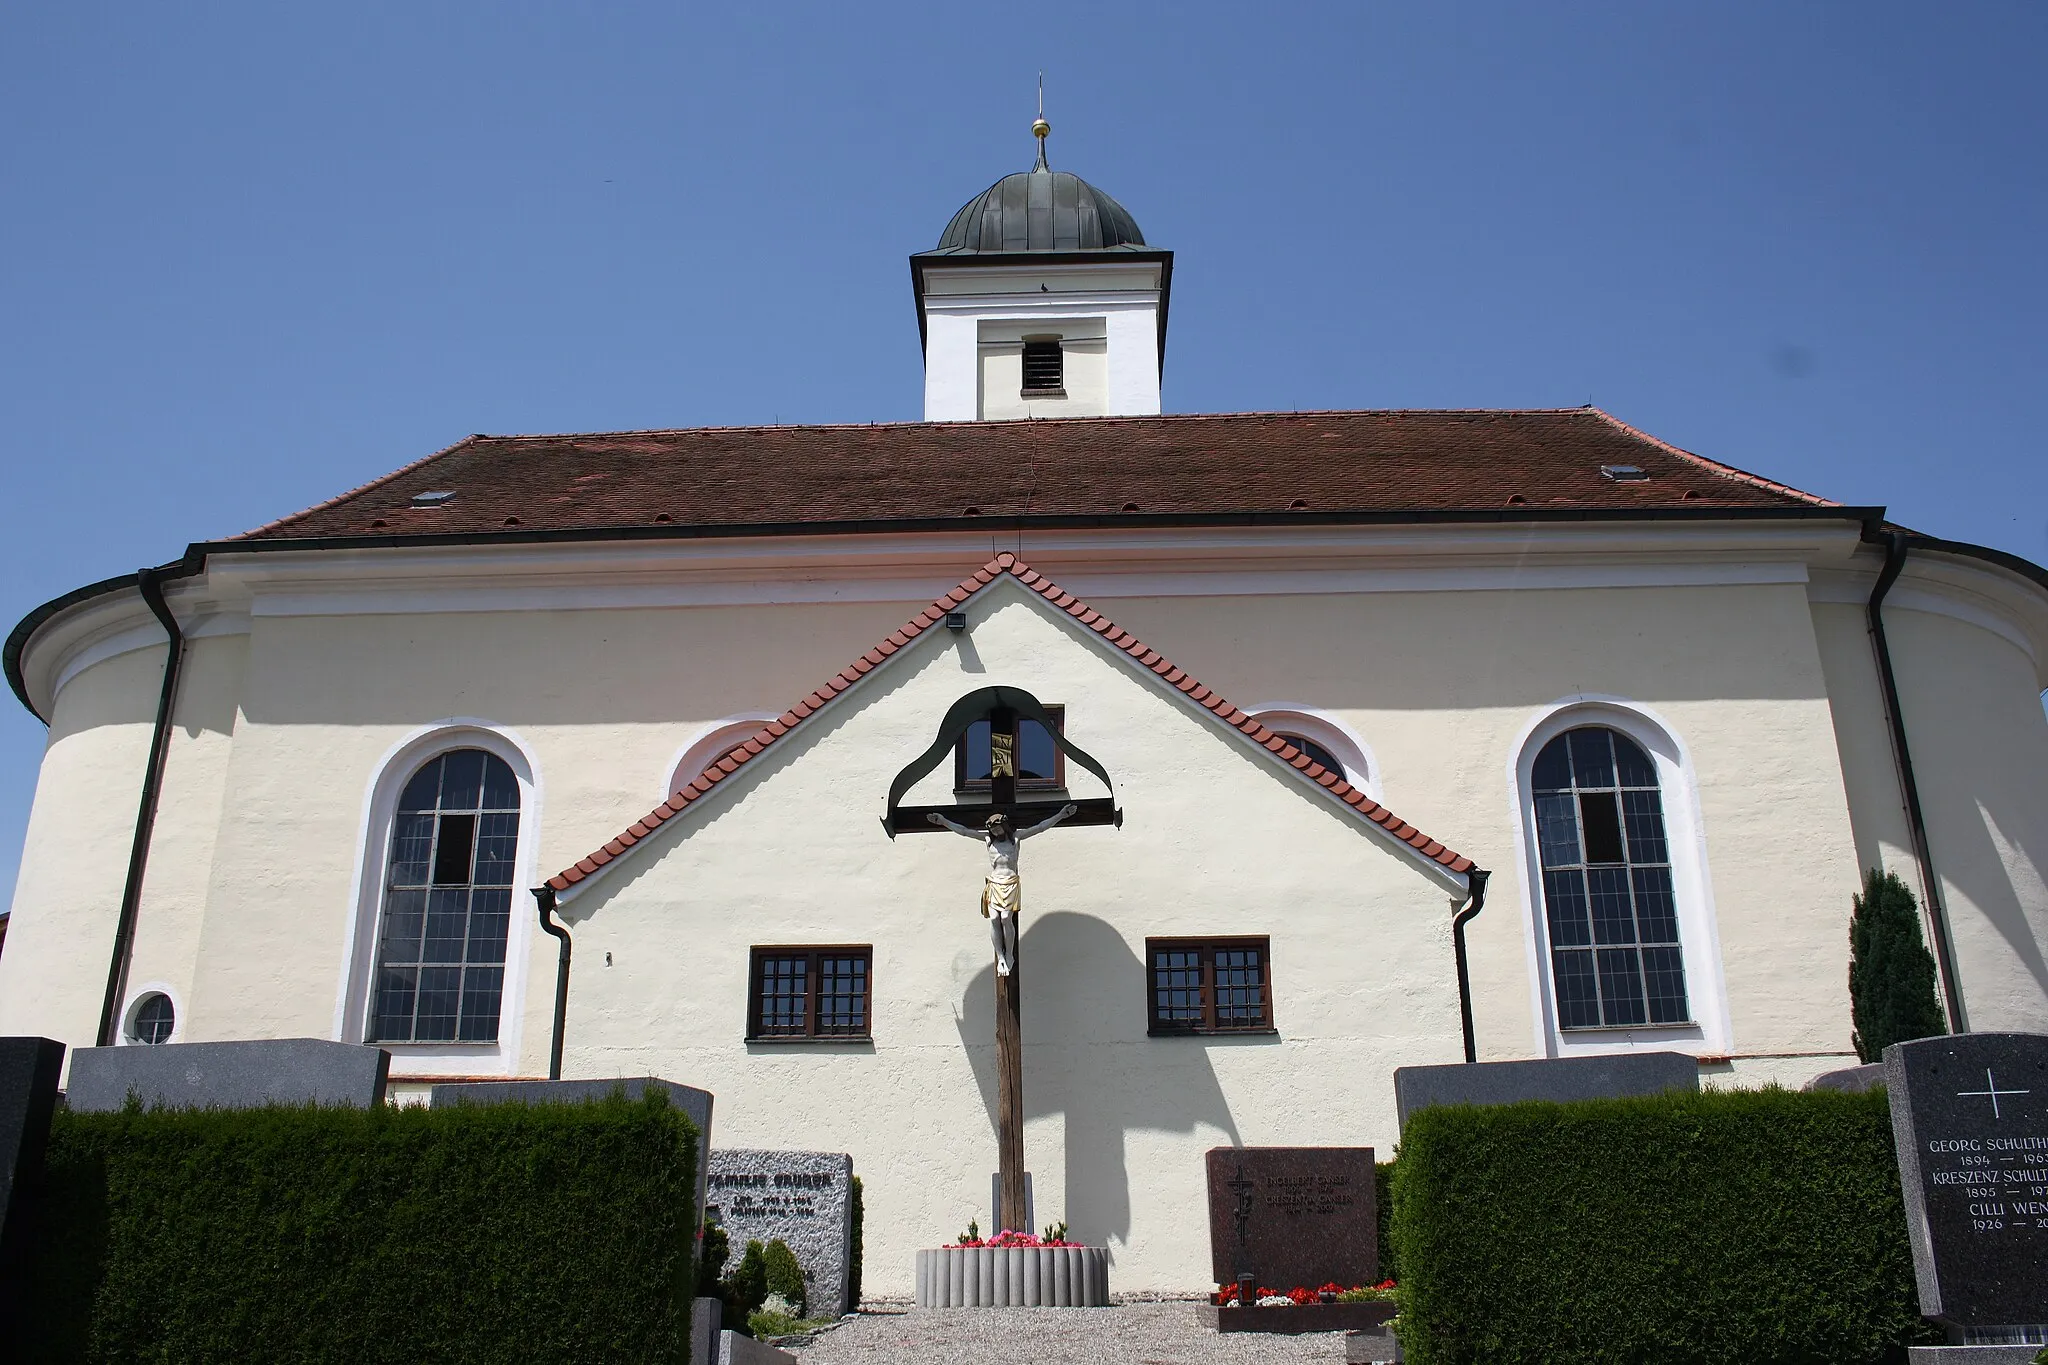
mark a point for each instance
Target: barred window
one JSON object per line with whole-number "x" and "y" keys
{"x": 1607, "y": 889}
{"x": 447, "y": 903}
{"x": 807, "y": 992}
{"x": 1221, "y": 985}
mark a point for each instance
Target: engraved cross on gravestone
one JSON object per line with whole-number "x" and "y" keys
{"x": 1970, "y": 1120}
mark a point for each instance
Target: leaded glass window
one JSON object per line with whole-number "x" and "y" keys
{"x": 447, "y": 903}
{"x": 1607, "y": 892}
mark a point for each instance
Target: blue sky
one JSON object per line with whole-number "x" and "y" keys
{"x": 251, "y": 256}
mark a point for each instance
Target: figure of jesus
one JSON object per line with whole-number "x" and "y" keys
{"x": 1002, "y": 895}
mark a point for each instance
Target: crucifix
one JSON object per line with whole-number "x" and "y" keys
{"x": 1001, "y": 822}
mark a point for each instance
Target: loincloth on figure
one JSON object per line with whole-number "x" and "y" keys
{"x": 1002, "y": 897}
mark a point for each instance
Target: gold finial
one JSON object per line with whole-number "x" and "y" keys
{"x": 1039, "y": 127}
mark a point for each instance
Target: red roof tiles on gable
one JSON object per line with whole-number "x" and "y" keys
{"x": 1154, "y": 467}
{"x": 737, "y": 757}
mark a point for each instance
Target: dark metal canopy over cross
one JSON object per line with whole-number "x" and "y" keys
{"x": 1004, "y": 709}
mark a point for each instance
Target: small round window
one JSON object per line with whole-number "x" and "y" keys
{"x": 154, "y": 1019}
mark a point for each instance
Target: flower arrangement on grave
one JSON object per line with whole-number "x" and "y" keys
{"x": 1383, "y": 1292}
{"x": 1007, "y": 1238}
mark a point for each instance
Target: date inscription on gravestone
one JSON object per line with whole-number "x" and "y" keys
{"x": 1293, "y": 1216}
{"x": 805, "y": 1198}
{"x": 1970, "y": 1119}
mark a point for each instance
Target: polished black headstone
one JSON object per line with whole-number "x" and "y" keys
{"x": 29, "y": 1068}
{"x": 237, "y": 1075}
{"x": 1970, "y": 1118}
{"x": 1603, "y": 1077}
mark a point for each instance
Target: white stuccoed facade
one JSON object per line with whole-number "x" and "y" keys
{"x": 1432, "y": 658}
{"x": 1740, "y": 659}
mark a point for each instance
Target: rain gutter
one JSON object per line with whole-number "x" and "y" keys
{"x": 1474, "y": 902}
{"x": 1897, "y": 544}
{"x": 149, "y": 582}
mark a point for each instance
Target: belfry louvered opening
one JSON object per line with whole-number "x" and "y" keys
{"x": 1044, "y": 370}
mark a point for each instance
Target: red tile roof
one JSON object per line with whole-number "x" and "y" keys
{"x": 1115, "y": 467}
{"x": 736, "y": 758}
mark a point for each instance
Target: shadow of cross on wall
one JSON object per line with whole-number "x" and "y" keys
{"x": 1082, "y": 1012}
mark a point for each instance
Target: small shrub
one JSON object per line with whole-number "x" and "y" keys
{"x": 785, "y": 1277}
{"x": 746, "y": 1289}
{"x": 713, "y": 1250}
{"x": 1891, "y": 974}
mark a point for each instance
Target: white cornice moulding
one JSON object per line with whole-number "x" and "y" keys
{"x": 912, "y": 568}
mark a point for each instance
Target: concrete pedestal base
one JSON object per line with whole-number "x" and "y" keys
{"x": 1972, "y": 1355}
{"x": 1013, "y": 1277}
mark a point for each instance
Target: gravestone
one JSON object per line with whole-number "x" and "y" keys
{"x": 1293, "y": 1216}
{"x": 1852, "y": 1080}
{"x": 242, "y": 1075}
{"x": 29, "y": 1068}
{"x": 694, "y": 1103}
{"x": 1970, "y": 1120}
{"x": 806, "y": 1199}
{"x": 1609, "y": 1076}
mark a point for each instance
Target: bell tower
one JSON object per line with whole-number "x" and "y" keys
{"x": 1042, "y": 299}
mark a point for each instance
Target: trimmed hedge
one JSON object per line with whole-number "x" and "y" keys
{"x": 298, "y": 1234}
{"x": 1737, "y": 1226}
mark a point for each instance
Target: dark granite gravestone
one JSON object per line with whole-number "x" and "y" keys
{"x": 1609, "y": 1076}
{"x": 243, "y": 1075}
{"x": 1970, "y": 1119}
{"x": 29, "y": 1068}
{"x": 1293, "y": 1216}
{"x": 1852, "y": 1080}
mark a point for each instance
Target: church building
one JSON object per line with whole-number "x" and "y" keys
{"x": 1391, "y": 738}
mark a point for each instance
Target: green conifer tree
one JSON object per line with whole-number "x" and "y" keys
{"x": 1891, "y": 974}
{"x": 785, "y": 1276}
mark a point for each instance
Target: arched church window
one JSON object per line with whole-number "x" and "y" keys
{"x": 447, "y": 903}
{"x": 1607, "y": 887}
{"x": 1316, "y": 752}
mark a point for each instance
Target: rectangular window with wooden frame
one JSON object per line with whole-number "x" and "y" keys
{"x": 809, "y": 994}
{"x": 1209, "y": 985}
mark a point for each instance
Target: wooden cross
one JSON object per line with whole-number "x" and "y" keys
{"x": 1011, "y": 1210}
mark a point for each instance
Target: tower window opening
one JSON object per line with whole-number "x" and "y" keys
{"x": 1044, "y": 370}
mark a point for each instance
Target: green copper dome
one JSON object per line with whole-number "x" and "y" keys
{"x": 1041, "y": 210}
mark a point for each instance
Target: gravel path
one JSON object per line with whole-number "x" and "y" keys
{"x": 1128, "y": 1334}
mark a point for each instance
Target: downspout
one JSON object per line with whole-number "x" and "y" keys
{"x": 1895, "y": 547}
{"x": 149, "y": 582}
{"x": 1474, "y": 903}
{"x": 544, "y": 897}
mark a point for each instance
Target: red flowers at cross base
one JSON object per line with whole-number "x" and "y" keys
{"x": 1007, "y": 1238}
